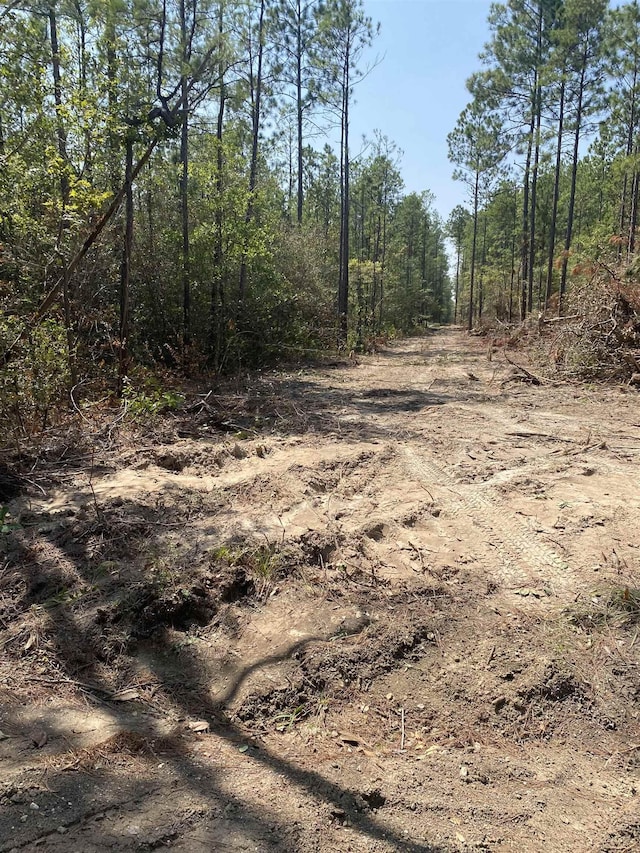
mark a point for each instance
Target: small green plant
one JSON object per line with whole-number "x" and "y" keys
{"x": 223, "y": 554}
{"x": 612, "y": 606}
{"x": 628, "y": 599}
{"x": 287, "y": 720}
{"x": 265, "y": 561}
{"x": 64, "y": 596}
{"x": 6, "y": 527}
{"x": 150, "y": 401}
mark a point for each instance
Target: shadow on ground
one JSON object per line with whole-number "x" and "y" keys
{"x": 83, "y": 795}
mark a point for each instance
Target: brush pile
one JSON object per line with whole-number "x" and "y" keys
{"x": 598, "y": 335}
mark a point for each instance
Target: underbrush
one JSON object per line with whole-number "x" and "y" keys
{"x": 598, "y": 335}
{"x": 610, "y": 606}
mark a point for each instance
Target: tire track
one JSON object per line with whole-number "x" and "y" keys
{"x": 524, "y": 560}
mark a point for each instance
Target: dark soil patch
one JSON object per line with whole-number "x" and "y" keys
{"x": 152, "y": 606}
{"x": 10, "y": 484}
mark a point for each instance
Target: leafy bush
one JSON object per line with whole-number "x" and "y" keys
{"x": 36, "y": 381}
{"x": 149, "y": 400}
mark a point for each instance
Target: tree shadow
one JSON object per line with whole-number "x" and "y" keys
{"x": 286, "y": 406}
{"x": 72, "y": 793}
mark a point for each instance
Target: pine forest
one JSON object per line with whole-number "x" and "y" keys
{"x": 178, "y": 185}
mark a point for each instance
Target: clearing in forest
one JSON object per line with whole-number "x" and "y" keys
{"x": 386, "y": 606}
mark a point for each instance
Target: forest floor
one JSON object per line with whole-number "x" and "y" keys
{"x": 391, "y": 605}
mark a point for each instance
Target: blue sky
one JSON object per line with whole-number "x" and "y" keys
{"x": 427, "y": 49}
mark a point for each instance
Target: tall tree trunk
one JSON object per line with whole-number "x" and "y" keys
{"x": 524, "y": 272}
{"x": 217, "y": 283}
{"x": 543, "y": 239}
{"x": 483, "y": 260}
{"x": 359, "y": 235}
{"x": 253, "y": 170}
{"x": 513, "y": 254}
{"x": 343, "y": 284}
{"x": 629, "y": 150}
{"x": 61, "y": 136}
{"x": 112, "y": 99}
{"x": 534, "y": 193}
{"x": 291, "y": 181}
{"x": 474, "y": 242}
{"x": 537, "y": 110}
{"x": 374, "y": 282}
{"x": 383, "y": 268}
{"x": 423, "y": 268}
{"x": 556, "y": 194}
{"x": 184, "y": 215}
{"x": 61, "y": 133}
{"x": 185, "y": 39}
{"x": 457, "y": 290}
{"x": 125, "y": 267}
{"x": 82, "y": 76}
{"x": 299, "y": 105}
{"x": 574, "y": 175}
{"x": 633, "y": 216}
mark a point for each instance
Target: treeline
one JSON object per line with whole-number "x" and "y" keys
{"x": 549, "y": 147}
{"x": 166, "y": 196}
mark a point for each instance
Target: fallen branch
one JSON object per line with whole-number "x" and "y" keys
{"x": 546, "y": 320}
{"x": 531, "y": 377}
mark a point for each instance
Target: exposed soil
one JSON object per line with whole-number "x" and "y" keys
{"x": 391, "y": 605}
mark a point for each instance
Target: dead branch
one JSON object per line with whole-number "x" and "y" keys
{"x": 564, "y": 319}
{"x": 530, "y": 377}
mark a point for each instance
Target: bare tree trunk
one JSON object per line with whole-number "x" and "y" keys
{"x": 61, "y": 136}
{"x": 184, "y": 182}
{"x": 629, "y": 151}
{"x": 184, "y": 215}
{"x": 125, "y": 268}
{"x": 383, "y": 268}
{"x": 253, "y": 171}
{"x": 482, "y": 266}
{"x": 513, "y": 255}
{"x": 299, "y": 106}
{"x": 359, "y": 285}
{"x": 524, "y": 273}
{"x": 534, "y": 194}
{"x": 474, "y": 243}
{"x": 423, "y": 269}
{"x": 343, "y": 284}
{"x": 556, "y": 194}
{"x": 57, "y": 97}
{"x": 633, "y": 216}
{"x": 112, "y": 83}
{"x": 455, "y": 303}
{"x": 574, "y": 175}
{"x": 217, "y": 282}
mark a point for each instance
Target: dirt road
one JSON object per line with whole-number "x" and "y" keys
{"x": 386, "y": 606}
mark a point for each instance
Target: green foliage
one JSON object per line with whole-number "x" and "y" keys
{"x": 36, "y": 382}
{"x": 149, "y": 400}
{"x": 234, "y": 221}
{"x": 6, "y": 526}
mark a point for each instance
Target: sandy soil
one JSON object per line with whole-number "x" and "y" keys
{"x": 375, "y": 606}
